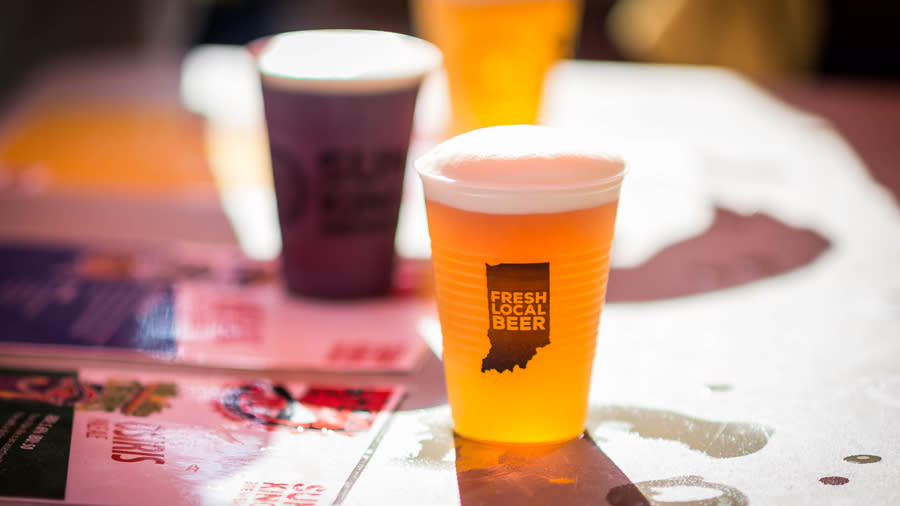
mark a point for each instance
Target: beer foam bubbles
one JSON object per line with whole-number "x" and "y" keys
{"x": 346, "y": 61}
{"x": 521, "y": 169}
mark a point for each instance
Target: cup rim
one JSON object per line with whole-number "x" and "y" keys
{"x": 511, "y": 169}
{"x": 429, "y": 59}
{"x": 512, "y": 199}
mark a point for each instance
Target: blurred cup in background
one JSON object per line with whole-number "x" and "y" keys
{"x": 339, "y": 108}
{"x": 521, "y": 220}
{"x": 496, "y": 53}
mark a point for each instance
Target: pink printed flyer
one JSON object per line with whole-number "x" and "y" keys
{"x": 108, "y": 437}
{"x": 200, "y": 305}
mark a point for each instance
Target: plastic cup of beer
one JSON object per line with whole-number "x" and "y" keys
{"x": 521, "y": 221}
{"x": 497, "y": 53}
{"x": 339, "y": 107}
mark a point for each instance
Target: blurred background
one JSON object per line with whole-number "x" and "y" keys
{"x": 837, "y": 59}
{"x": 854, "y": 39}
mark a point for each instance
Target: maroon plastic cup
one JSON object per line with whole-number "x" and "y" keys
{"x": 339, "y": 107}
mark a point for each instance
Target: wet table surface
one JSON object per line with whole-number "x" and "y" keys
{"x": 748, "y": 351}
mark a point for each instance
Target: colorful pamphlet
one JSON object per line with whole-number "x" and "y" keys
{"x": 196, "y": 305}
{"x": 106, "y": 436}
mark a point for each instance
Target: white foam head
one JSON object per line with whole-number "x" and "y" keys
{"x": 521, "y": 169}
{"x": 346, "y": 61}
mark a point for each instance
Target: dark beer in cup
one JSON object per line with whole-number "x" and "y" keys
{"x": 339, "y": 108}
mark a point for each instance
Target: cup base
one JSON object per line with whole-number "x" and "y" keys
{"x": 329, "y": 286}
{"x": 555, "y": 442}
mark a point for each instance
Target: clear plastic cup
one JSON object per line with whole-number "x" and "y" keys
{"x": 521, "y": 220}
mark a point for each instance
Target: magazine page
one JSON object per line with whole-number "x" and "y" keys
{"x": 198, "y": 305}
{"x": 108, "y": 436}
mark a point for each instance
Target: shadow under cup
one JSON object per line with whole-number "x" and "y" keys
{"x": 339, "y": 138}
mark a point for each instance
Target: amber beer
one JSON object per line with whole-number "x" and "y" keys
{"x": 497, "y": 52}
{"x": 521, "y": 221}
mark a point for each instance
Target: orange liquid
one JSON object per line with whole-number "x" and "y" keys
{"x": 547, "y": 400}
{"x": 496, "y": 54}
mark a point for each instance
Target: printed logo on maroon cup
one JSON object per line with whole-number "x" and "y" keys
{"x": 291, "y": 184}
{"x": 360, "y": 191}
{"x": 518, "y": 297}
